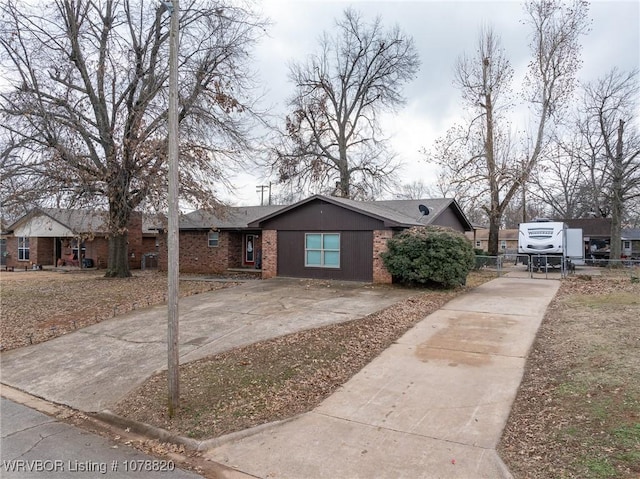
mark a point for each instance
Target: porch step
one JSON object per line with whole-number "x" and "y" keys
{"x": 244, "y": 270}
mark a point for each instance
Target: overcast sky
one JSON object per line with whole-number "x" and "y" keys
{"x": 442, "y": 31}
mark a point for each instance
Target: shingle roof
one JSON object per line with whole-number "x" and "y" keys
{"x": 78, "y": 221}
{"x": 233, "y": 217}
{"x": 631, "y": 234}
{"x": 82, "y": 221}
{"x": 404, "y": 212}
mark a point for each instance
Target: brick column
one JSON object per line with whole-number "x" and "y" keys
{"x": 380, "y": 273}
{"x": 269, "y": 254}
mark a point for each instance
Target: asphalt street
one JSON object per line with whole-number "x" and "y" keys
{"x": 34, "y": 445}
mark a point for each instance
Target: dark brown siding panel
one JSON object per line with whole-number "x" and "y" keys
{"x": 321, "y": 216}
{"x": 450, "y": 219}
{"x": 356, "y": 259}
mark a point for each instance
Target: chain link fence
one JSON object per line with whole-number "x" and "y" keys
{"x": 554, "y": 267}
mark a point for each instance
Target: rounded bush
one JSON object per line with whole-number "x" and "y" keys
{"x": 430, "y": 254}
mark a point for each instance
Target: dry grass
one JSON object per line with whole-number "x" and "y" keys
{"x": 577, "y": 414}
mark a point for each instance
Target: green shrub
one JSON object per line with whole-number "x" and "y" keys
{"x": 430, "y": 254}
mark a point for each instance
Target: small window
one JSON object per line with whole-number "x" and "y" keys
{"x": 214, "y": 239}
{"x": 322, "y": 250}
{"x": 478, "y": 244}
{"x": 626, "y": 245}
{"x": 23, "y": 248}
{"x": 503, "y": 244}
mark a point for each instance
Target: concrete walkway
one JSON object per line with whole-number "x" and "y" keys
{"x": 93, "y": 368}
{"x": 433, "y": 405}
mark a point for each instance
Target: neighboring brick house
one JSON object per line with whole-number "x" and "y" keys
{"x": 50, "y": 237}
{"x": 507, "y": 240}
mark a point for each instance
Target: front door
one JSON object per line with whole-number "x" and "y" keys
{"x": 249, "y": 250}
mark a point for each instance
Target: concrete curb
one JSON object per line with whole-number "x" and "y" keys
{"x": 154, "y": 432}
{"x": 34, "y": 402}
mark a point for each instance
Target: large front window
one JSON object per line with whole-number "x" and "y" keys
{"x": 23, "y": 248}
{"x": 322, "y": 250}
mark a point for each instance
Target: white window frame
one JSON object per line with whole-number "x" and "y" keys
{"x": 503, "y": 244}
{"x": 478, "y": 243}
{"x": 23, "y": 247}
{"x": 322, "y": 251}
{"x": 213, "y": 239}
{"x": 626, "y": 244}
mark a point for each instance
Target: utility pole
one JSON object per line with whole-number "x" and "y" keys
{"x": 261, "y": 189}
{"x": 173, "y": 268}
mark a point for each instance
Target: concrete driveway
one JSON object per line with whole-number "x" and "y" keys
{"x": 93, "y": 368}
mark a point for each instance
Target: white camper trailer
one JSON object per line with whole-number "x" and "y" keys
{"x": 550, "y": 243}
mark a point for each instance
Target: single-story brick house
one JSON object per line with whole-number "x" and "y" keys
{"x": 318, "y": 237}
{"x": 50, "y": 237}
{"x": 507, "y": 240}
{"x": 211, "y": 243}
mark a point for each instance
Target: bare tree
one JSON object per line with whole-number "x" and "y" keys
{"x": 483, "y": 151}
{"x": 609, "y": 126}
{"x": 85, "y": 109}
{"x": 332, "y": 138}
{"x": 561, "y": 181}
{"x": 478, "y": 154}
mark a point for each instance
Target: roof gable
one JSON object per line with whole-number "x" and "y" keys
{"x": 55, "y": 222}
{"x": 393, "y": 213}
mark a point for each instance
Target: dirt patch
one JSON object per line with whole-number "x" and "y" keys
{"x": 37, "y": 306}
{"x": 577, "y": 413}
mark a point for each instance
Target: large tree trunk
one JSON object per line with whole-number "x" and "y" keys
{"x": 119, "y": 217}
{"x": 118, "y": 264}
{"x": 616, "y": 198}
{"x": 343, "y": 168}
{"x": 494, "y": 232}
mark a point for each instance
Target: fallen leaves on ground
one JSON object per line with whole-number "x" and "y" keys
{"x": 275, "y": 379}
{"x": 577, "y": 413}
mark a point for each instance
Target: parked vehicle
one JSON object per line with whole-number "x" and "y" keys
{"x": 550, "y": 244}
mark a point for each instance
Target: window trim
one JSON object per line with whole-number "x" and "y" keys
{"x": 22, "y": 249}
{"x": 213, "y": 243}
{"x": 503, "y": 244}
{"x": 478, "y": 243}
{"x": 322, "y": 250}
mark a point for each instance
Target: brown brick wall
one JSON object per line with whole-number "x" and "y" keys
{"x": 12, "y": 252}
{"x": 196, "y": 256}
{"x": 234, "y": 250}
{"x": 134, "y": 238}
{"x": 269, "y": 254}
{"x": 380, "y": 273}
{"x": 98, "y": 250}
{"x": 41, "y": 250}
